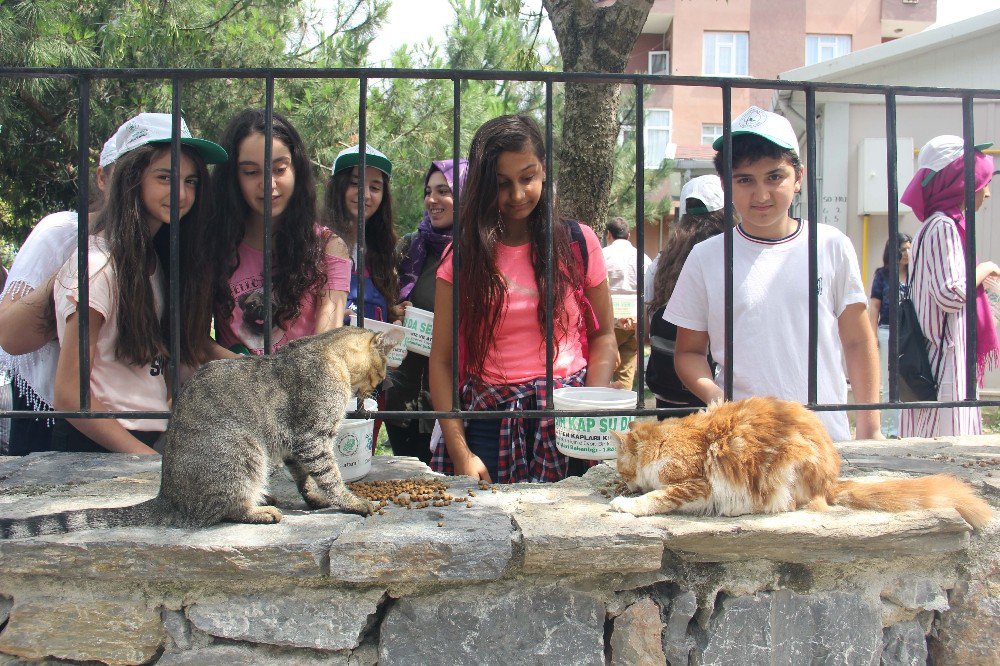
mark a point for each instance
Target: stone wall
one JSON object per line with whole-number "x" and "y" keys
{"x": 527, "y": 574}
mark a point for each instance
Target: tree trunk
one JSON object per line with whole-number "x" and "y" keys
{"x": 591, "y": 40}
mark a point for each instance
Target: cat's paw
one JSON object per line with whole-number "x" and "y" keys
{"x": 263, "y": 515}
{"x": 351, "y": 503}
{"x": 315, "y": 499}
{"x": 626, "y": 505}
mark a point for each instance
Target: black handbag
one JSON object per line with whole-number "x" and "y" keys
{"x": 918, "y": 383}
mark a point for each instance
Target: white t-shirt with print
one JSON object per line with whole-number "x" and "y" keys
{"x": 119, "y": 385}
{"x": 771, "y": 313}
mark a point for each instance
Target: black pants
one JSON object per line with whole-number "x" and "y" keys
{"x": 67, "y": 438}
{"x": 28, "y": 435}
{"x": 407, "y": 440}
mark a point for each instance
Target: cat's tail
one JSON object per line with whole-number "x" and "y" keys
{"x": 940, "y": 491}
{"x": 145, "y": 513}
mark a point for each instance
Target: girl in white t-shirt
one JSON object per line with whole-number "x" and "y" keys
{"x": 128, "y": 345}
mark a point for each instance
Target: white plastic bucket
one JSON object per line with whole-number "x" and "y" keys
{"x": 623, "y": 305}
{"x": 355, "y": 443}
{"x": 397, "y": 353}
{"x": 420, "y": 330}
{"x": 588, "y": 436}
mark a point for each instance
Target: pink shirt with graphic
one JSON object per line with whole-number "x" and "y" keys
{"x": 246, "y": 324}
{"x": 517, "y": 352}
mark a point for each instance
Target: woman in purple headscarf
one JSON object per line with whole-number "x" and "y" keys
{"x": 937, "y": 282}
{"x": 420, "y": 255}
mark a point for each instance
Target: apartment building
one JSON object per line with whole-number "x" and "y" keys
{"x": 752, "y": 38}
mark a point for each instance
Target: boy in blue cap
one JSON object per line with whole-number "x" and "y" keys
{"x": 770, "y": 294}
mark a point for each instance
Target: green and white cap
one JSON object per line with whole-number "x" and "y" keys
{"x": 766, "y": 124}
{"x": 707, "y": 190}
{"x": 350, "y": 157}
{"x": 148, "y": 128}
{"x": 941, "y": 151}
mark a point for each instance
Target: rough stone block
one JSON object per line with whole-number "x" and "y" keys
{"x": 968, "y": 632}
{"x": 809, "y": 537}
{"x": 637, "y": 636}
{"x": 918, "y": 593}
{"x": 904, "y": 644}
{"x": 449, "y": 543}
{"x": 116, "y": 632}
{"x": 677, "y": 642}
{"x": 294, "y": 548}
{"x": 319, "y": 619}
{"x": 496, "y": 625}
{"x": 574, "y": 533}
{"x": 247, "y": 655}
{"x": 788, "y": 628}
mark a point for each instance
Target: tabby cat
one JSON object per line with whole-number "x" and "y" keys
{"x": 237, "y": 420}
{"x": 762, "y": 455}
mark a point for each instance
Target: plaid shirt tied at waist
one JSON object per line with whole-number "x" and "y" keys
{"x": 543, "y": 463}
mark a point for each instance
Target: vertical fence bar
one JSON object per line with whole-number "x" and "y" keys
{"x": 892, "y": 170}
{"x": 83, "y": 238}
{"x": 893, "y": 208}
{"x": 812, "y": 211}
{"x": 549, "y": 250}
{"x": 456, "y": 234}
{"x": 174, "y": 284}
{"x": 971, "y": 316}
{"x": 727, "y": 234}
{"x": 362, "y": 186}
{"x": 268, "y": 189}
{"x": 640, "y": 224}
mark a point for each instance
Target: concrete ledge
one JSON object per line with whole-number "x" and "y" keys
{"x": 567, "y": 575}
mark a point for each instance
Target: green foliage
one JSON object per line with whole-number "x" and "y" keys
{"x": 410, "y": 120}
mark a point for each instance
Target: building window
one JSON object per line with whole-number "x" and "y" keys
{"x": 659, "y": 62}
{"x": 658, "y": 124}
{"x": 710, "y": 132}
{"x": 820, "y": 48}
{"x": 725, "y": 54}
{"x": 658, "y": 133}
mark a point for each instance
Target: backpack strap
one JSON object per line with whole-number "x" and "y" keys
{"x": 579, "y": 244}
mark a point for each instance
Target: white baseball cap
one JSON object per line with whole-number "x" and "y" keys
{"x": 351, "y": 157}
{"x": 706, "y": 189}
{"x": 771, "y": 126}
{"x": 148, "y": 128}
{"x": 941, "y": 151}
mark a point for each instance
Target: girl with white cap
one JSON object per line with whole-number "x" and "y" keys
{"x": 127, "y": 284}
{"x": 936, "y": 194}
{"x": 700, "y": 217}
{"x": 345, "y": 194}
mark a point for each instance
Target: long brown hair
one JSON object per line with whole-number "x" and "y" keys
{"x": 297, "y": 260}
{"x": 142, "y": 337}
{"x": 483, "y": 288}
{"x": 690, "y": 230}
{"x": 380, "y": 231}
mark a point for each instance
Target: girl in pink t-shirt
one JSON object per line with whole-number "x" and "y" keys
{"x": 502, "y": 313}
{"x": 310, "y": 267}
{"x": 127, "y": 291}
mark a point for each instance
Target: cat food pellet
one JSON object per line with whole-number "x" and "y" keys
{"x": 468, "y": 505}
{"x": 493, "y": 489}
{"x": 472, "y": 493}
{"x": 440, "y": 524}
{"x": 381, "y": 512}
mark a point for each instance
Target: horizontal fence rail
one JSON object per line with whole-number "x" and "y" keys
{"x": 641, "y": 82}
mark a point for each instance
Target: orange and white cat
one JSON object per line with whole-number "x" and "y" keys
{"x": 762, "y": 455}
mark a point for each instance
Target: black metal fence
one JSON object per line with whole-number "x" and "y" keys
{"x": 641, "y": 82}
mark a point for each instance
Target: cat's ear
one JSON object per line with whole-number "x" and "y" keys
{"x": 621, "y": 439}
{"x": 385, "y": 341}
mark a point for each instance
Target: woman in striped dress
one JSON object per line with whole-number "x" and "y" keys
{"x": 938, "y": 279}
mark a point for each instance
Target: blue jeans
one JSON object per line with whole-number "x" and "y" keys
{"x": 483, "y": 438}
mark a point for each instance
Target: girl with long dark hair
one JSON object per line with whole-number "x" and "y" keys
{"x": 503, "y": 315}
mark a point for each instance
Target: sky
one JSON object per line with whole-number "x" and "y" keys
{"x": 413, "y": 21}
